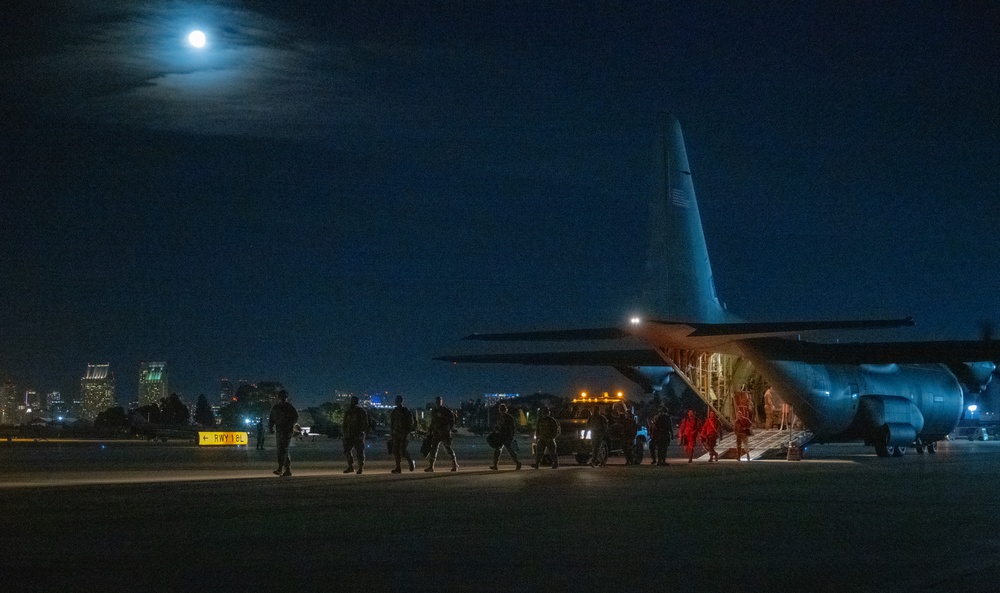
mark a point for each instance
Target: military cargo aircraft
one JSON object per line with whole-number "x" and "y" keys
{"x": 890, "y": 394}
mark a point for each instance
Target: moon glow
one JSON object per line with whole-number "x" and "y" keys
{"x": 197, "y": 39}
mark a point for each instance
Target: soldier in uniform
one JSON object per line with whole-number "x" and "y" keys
{"x": 280, "y": 422}
{"x": 354, "y": 429}
{"x": 502, "y": 436}
{"x": 400, "y": 427}
{"x": 442, "y": 422}
{"x": 260, "y": 434}
{"x": 546, "y": 431}
{"x": 662, "y": 434}
{"x": 597, "y": 424}
{"x": 630, "y": 429}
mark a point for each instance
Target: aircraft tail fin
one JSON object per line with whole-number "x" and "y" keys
{"x": 679, "y": 282}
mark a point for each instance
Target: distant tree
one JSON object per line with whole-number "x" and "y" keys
{"x": 112, "y": 419}
{"x": 148, "y": 413}
{"x": 203, "y": 412}
{"x": 173, "y": 411}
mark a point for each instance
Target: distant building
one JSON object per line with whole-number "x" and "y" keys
{"x": 55, "y": 404}
{"x": 8, "y": 403}
{"x": 152, "y": 383}
{"x": 263, "y": 393}
{"x": 226, "y": 391}
{"x": 97, "y": 391}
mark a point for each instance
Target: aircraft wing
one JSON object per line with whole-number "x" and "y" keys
{"x": 624, "y": 358}
{"x": 682, "y": 329}
{"x": 601, "y": 333}
{"x": 877, "y": 352}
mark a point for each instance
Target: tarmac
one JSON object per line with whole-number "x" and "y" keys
{"x": 144, "y": 516}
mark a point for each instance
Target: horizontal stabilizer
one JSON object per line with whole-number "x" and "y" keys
{"x": 785, "y": 327}
{"x": 579, "y": 358}
{"x": 878, "y": 352}
{"x": 602, "y": 333}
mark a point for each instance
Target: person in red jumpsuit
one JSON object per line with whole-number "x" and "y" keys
{"x": 688, "y": 431}
{"x": 744, "y": 430}
{"x": 710, "y": 432}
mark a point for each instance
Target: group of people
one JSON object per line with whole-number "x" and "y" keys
{"x": 692, "y": 431}
{"x": 357, "y": 425}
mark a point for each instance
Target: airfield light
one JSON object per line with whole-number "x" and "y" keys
{"x": 973, "y": 408}
{"x": 583, "y": 394}
{"x": 636, "y": 321}
{"x": 620, "y": 394}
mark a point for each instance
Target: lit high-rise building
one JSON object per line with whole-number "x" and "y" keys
{"x": 226, "y": 391}
{"x": 55, "y": 405}
{"x": 97, "y": 391}
{"x": 152, "y": 383}
{"x": 8, "y": 403}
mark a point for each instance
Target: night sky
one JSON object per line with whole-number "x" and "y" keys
{"x": 329, "y": 194}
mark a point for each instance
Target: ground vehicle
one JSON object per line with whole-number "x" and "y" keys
{"x": 574, "y": 438}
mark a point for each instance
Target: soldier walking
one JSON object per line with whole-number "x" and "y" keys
{"x": 546, "y": 431}
{"x": 280, "y": 422}
{"x": 442, "y": 422}
{"x": 354, "y": 428}
{"x": 503, "y": 437}
{"x": 400, "y": 427}
{"x": 663, "y": 433}
{"x": 597, "y": 424}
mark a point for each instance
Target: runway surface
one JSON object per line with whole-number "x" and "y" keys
{"x": 153, "y": 516}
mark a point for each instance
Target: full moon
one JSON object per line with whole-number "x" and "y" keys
{"x": 197, "y": 39}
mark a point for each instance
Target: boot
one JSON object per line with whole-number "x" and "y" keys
{"x": 396, "y": 470}
{"x": 430, "y": 468}
{"x": 517, "y": 465}
{"x": 454, "y": 464}
{"x": 349, "y": 470}
{"x": 413, "y": 464}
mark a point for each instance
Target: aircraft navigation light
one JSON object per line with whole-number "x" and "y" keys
{"x": 973, "y": 408}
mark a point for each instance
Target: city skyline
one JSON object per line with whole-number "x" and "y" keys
{"x": 330, "y": 196}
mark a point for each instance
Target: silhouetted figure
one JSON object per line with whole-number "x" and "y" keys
{"x": 546, "y": 431}
{"x": 280, "y": 421}
{"x": 597, "y": 424}
{"x": 502, "y": 437}
{"x": 662, "y": 433}
{"x": 260, "y": 434}
{"x": 354, "y": 428}
{"x": 442, "y": 422}
{"x": 630, "y": 429}
{"x": 400, "y": 426}
{"x": 710, "y": 432}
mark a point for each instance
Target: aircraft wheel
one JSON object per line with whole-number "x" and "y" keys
{"x": 932, "y": 447}
{"x": 898, "y": 451}
{"x": 881, "y": 449}
{"x": 919, "y": 449}
{"x": 582, "y": 459}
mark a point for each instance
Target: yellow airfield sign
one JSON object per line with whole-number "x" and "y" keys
{"x": 222, "y": 438}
